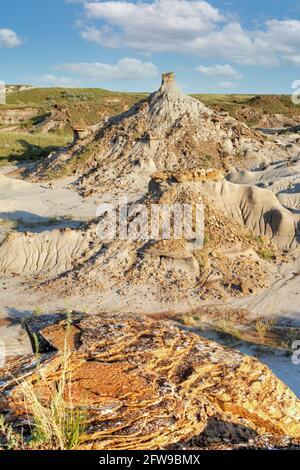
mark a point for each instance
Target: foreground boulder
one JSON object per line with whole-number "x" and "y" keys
{"x": 144, "y": 384}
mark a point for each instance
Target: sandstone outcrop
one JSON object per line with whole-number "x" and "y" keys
{"x": 168, "y": 130}
{"x": 57, "y": 119}
{"x": 15, "y": 116}
{"x": 143, "y": 384}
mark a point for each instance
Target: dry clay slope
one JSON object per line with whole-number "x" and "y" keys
{"x": 282, "y": 178}
{"x": 168, "y": 130}
{"x": 49, "y": 252}
{"x": 236, "y": 207}
{"x": 259, "y": 210}
{"x": 231, "y": 262}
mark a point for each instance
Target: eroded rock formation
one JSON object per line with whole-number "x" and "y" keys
{"x": 231, "y": 262}
{"x": 143, "y": 384}
{"x": 168, "y": 130}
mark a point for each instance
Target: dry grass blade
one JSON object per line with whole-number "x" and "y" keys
{"x": 55, "y": 423}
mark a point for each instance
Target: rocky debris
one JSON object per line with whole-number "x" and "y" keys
{"x": 166, "y": 131}
{"x": 256, "y": 208}
{"x": 143, "y": 384}
{"x": 15, "y": 116}
{"x": 232, "y": 261}
{"x": 195, "y": 174}
{"x": 58, "y": 119}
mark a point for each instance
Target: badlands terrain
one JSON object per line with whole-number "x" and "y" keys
{"x": 139, "y": 309}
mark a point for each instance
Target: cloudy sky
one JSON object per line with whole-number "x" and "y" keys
{"x": 213, "y": 46}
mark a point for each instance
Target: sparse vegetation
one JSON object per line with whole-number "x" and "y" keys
{"x": 237, "y": 105}
{"x": 228, "y": 327}
{"x": 24, "y": 143}
{"x": 55, "y": 425}
{"x": 8, "y": 224}
{"x": 54, "y": 422}
{"x": 20, "y": 147}
{"x": 267, "y": 254}
{"x": 37, "y": 311}
{"x": 263, "y": 247}
{"x": 86, "y": 105}
{"x": 9, "y": 439}
{"x": 203, "y": 260}
{"x": 263, "y": 327}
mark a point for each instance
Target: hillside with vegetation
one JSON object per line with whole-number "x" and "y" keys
{"x": 27, "y": 131}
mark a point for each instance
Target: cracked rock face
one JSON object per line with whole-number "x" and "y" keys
{"x": 144, "y": 384}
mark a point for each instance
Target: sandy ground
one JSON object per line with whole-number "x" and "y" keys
{"x": 32, "y": 207}
{"x": 20, "y": 200}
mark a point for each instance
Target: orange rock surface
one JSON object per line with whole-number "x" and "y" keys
{"x": 145, "y": 384}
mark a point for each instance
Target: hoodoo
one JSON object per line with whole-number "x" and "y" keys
{"x": 150, "y": 241}
{"x": 167, "y": 131}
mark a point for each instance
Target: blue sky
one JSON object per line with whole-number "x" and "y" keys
{"x": 214, "y": 46}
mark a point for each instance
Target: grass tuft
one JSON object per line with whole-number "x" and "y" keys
{"x": 9, "y": 439}
{"x": 263, "y": 328}
{"x": 55, "y": 423}
{"x": 20, "y": 147}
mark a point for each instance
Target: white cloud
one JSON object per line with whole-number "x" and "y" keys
{"x": 54, "y": 80}
{"x": 125, "y": 69}
{"x": 158, "y": 26}
{"x": 226, "y": 85}
{"x": 190, "y": 26}
{"x": 293, "y": 60}
{"x": 8, "y": 38}
{"x": 220, "y": 71}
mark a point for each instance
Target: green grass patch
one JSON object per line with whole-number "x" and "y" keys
{"x": 39, "y": 96}
{"x": 264, "y": 104}
{"x": 223, "y": 100}
{"x": 21, "y": 147}
{"x": 86, "y": 106}
{"x": 264, "y": 250}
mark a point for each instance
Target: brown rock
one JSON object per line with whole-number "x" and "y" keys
{"x": 145, "y": 384}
